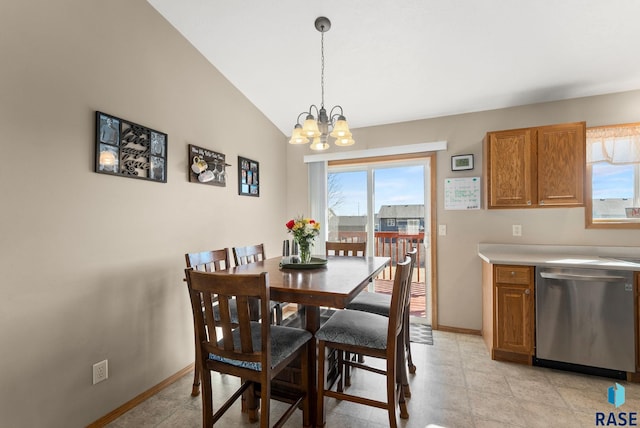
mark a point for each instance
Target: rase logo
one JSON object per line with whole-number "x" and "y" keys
{"x": 615, "y": 396}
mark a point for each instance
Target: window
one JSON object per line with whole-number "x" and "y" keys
{"x": 391, "y": 222}
{"x": 613, "y": 176}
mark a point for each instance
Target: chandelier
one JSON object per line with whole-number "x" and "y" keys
{"x": 317, "y": 131}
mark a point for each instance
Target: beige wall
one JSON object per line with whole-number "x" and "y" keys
{"x": 458, "y": 266}
{"x": 92, "y": 264}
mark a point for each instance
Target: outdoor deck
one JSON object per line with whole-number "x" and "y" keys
{"x": 418, "y": 291}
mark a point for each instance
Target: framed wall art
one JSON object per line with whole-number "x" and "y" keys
{"x": 461, "y": 162}
{"x": 127, "y": 149}
{"x": 248, "y": 177}
{"x": 207, "y": 166}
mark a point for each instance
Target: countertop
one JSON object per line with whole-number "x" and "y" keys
{"x": 621, "y": 258}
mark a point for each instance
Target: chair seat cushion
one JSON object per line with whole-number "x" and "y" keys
{"x": 234, "y": 310}
{"x": 376, "y": 303}
{"x": 355, "y": 328}
{"x": 284, "y": 341}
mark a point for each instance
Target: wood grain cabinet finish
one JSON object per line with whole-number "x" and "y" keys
{"x": 508, "y": 297}
{"x": 535, "y": 167}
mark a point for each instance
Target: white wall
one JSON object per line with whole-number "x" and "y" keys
{"x": 91, "y": 264}
{"x": 458, "y": 266}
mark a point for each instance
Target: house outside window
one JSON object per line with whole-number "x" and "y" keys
{"x": 391, "y": 222}
{"x": 613, "y": 176}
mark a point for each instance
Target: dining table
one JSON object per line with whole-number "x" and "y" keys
{"x": 332, "y": 285}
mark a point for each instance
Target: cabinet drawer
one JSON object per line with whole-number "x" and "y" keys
{"x": 513, "y": 275}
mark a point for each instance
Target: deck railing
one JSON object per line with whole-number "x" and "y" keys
{"x": 394, "y": 245}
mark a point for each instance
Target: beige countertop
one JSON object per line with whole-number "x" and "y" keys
{"x": 622, "y": 258}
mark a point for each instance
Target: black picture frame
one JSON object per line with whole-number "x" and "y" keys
{"x": 207, "y": 166}
{"x": 248, "y": 177}
{"x": 127, "y": 149}
{"x": 462, "y": 163}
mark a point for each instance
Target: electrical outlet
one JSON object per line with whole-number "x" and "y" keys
{"x": 100, "y": 371}
{"x": 517, "y": 230}
{"x": 442, "y": 229}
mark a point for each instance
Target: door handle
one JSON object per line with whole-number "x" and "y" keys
{"x": 575, "y": 277}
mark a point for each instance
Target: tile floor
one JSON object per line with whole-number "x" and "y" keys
{"x": 456, "y": 385}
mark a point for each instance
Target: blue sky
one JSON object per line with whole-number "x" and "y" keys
{"x": 612, "y": 181}
{"x": 393, "y": 186}
{"x": 405, "y": 185}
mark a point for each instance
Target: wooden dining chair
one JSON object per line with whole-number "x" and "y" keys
{"x": 379, "y": 303}
{"x": 256, "y": 352}
{"x": 208, "y": 261}
{"x": 373, "y": 335}
{"x": 358, "y": 249}
{"x": 252, "y": 254}
{"x": 349, "y": 249}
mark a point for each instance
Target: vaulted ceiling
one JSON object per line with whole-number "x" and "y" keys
{"x": 390, "y": 61}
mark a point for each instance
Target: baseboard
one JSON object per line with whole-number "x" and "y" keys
{"x": 458, "y": 330}
{"x": 115, "y": 414}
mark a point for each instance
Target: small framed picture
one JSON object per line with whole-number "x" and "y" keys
{"x": 461, "y": 162}
{"x": 248, "y": 177}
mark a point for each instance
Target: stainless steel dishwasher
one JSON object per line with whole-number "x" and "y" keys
{"x": 585, "y": 317}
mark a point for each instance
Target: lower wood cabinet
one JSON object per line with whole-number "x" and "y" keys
{"x": 509, "y": 312}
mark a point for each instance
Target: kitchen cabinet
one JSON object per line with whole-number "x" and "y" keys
{"x": 535, "y": 167}
{"x": 508, "y": 312}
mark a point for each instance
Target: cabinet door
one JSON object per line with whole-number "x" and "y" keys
{"x": 514, "y": 318}
{"x": 514, "y": 308}
{"x": 510, "y": 168}
{"x": 561, "y": 164}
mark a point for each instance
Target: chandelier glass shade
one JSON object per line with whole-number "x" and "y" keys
{"x": 318, "y": 126}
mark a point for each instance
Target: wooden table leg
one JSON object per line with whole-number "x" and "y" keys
{"x": 312, "y": 320}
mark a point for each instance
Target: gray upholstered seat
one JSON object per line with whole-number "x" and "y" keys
{"x": 376, "y": 303}
{"x": 373, "y": 335}
{"x": 355, "y": 328}
{"x": 233, "y": 311}
{"x": 284, "y": 340}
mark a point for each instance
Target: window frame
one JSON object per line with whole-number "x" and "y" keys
{"x": 617, "y": 223}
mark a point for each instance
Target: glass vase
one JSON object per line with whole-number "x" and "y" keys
{"x": 304, "y": 247}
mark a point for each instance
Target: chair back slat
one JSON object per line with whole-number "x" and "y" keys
{"x": 413, "y": 255}
{"x": 401, "y": 284}
{"x": 209, "y": 261}
{"x": 354, "y": 249}
{"x": 205, "y": 289}
{"x": 248, "y": 254}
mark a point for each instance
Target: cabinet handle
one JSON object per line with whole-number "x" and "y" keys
{"x": 528, "y": 202}
{"x": 527, "y": 291}
{"x": 541, "y": 202}
{"x": 512, "y": 273}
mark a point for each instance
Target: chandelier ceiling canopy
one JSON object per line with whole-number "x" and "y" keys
{"x": 316, "y": 128}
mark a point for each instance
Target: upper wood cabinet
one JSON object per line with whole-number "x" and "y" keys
{"x": 535, "y": 167}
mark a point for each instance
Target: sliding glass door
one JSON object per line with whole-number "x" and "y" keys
{"x": 386, "y": 205}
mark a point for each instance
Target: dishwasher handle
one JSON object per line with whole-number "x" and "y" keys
{"x": 574, "y": 277}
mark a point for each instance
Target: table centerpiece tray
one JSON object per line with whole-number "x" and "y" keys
{"x": 294, "y": 263}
